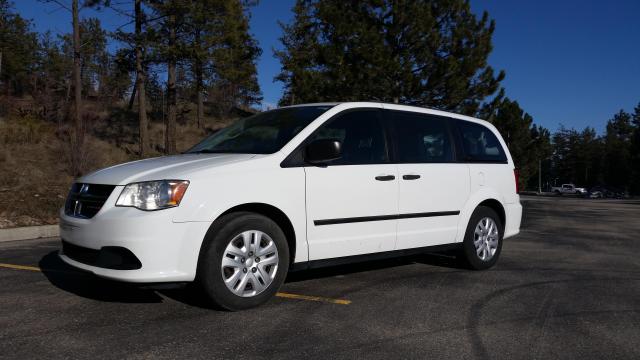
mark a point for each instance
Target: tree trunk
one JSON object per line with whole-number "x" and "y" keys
{"x": 134, "y": 92}
{"x": 200, "y": 104}
{"x": 140, "y": 80}
{"x": 77, "y": 88}
{"x": 198, "y": 64}
{"x": 170, "y": 133}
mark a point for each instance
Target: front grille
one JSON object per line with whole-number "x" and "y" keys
{"x": 85, "y": 200}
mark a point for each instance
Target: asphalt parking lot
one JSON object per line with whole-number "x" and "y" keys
{"x": 567, "y": 287}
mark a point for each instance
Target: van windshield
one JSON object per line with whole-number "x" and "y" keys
{"x": 263, "y": 133}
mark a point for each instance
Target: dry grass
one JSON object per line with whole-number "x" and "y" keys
{"x": 34, "y": 170}
{"x": 33, "y": 181}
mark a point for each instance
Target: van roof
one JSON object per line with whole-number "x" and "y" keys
{"x": 401, "y": 107}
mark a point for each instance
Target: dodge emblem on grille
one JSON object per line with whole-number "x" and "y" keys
{"x": 77, "y": 206}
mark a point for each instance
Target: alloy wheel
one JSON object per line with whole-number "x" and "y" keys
{"x": 486, "y": 238}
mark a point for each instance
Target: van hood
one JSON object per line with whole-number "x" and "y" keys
{"x": 177, "y": 167}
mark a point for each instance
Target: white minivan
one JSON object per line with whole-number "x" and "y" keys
{"x": 296, "y": 188}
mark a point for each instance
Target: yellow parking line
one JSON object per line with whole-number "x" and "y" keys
{"x": 31, "y": 268}
{"x": 313, "y": 298}
{"x": 20, "y": 267}
{"x": 280, "y": 294}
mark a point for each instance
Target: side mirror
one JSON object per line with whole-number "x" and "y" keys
{"x": 322, "y": 151}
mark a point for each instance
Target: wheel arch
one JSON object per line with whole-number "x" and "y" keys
{"x": 496, "y": 206}
{"x": 273, "y": 213}
{"x": 485, "y": 197}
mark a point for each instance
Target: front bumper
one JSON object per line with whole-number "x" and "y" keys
{"x": 167, "y": 251}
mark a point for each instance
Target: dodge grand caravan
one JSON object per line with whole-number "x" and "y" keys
{"x": 296, "y": 188}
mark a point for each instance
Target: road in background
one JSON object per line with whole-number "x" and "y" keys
{"x": 566, "y": 287}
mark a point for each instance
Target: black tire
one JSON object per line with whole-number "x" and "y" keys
{"x": 209, "y": 276}
{"x": 468, "y": 255}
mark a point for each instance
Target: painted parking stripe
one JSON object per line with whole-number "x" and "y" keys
{"x": 19, "y": 267}
{"x": 279, "y": 294}
{"x": 313, "y": 298}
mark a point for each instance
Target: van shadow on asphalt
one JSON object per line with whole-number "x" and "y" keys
{"x": 434, "y": 259}
{"x": 87, "y": 285}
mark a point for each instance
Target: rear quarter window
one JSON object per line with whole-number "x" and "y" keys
{"x": 479, "y": 143}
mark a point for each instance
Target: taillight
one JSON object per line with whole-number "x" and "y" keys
{"x": 516, "y": 175}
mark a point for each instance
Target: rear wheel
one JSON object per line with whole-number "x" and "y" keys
{"x": 243, "y": 262}
{"x": 483, "y": 239}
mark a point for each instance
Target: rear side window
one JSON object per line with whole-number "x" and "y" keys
{"x": 422, "y": 138}
{"x": 361, "y": 134}
{"x": 479, "y": 143}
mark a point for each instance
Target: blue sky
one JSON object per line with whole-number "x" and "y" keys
{"x": 571, "y": 62}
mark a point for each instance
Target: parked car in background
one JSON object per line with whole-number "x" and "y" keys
{"x": 599, "y": 192}
{"x": 567, "y": 189}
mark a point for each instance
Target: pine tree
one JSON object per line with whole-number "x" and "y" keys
{"x": 77, "y": 141}
{"x": 139, "y": 42}
{"x": 171, "y": 45}
{"x": 51, "y": 83}
{"x": 589, "y": 158}
{"x": 618, "y": 150}
{"x": 300, "y": 73}
{"x": 234, "y": 60}
{"x": 429, "y": 53}
{"x": 542, "y": 150}
{"x": 527, "y": 143}
{"x": 170, "y": 129}
{"x": 140, "y": 48}
{"x": 18, "y": 48}
{"x": 635, "y": 152}
{"x": 115, "y": 78}
{"x": 94, "y": 58}
{"x": 205, "y": 30}
{"x": 564, "y": 144}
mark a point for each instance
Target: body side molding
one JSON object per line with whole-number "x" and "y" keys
{"x": 383, "y": 217}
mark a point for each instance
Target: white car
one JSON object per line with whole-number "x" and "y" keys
{"x": 296, "y": 188}
{"x": 568, "y": 189}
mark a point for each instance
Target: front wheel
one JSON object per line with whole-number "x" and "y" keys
{"x": 483, "y": 239}
{"x": 243, "y": 262}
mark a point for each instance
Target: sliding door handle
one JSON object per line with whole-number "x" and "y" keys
{"x": 385, "y": 177}
{"x": 410, "y": 177}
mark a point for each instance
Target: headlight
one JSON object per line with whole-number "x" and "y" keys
{"x": 153, "y": 195}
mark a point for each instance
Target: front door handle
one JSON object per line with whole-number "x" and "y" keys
{"x": 385, "y": 177}
{"x": 410, "y": 177}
